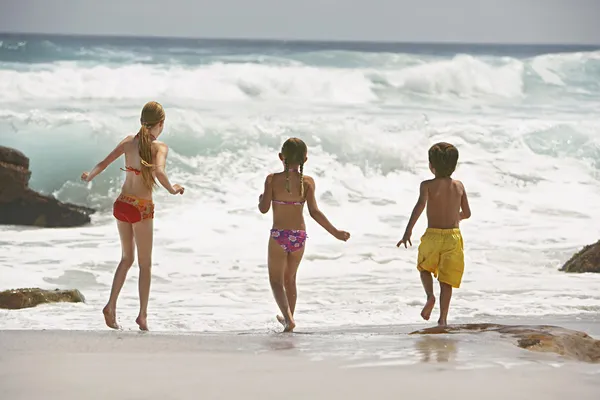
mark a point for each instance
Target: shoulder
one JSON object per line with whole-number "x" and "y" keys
{"x": 425, "y": 187}
{"x": 128, "y": 139}
{"x": 459, "y": 185}
{"x": 269, "y": 178}
{"x": 160, "y": 145}
{"x": 276, "y": 176}
{"x": 125, "y": 144}
{"x": 309, "y": 181}
{"x": 427, "y": 183}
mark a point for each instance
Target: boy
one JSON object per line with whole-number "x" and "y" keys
{"x": 441, "y": 248}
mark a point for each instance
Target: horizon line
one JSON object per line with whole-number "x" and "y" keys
{"x": 296, "y": 40}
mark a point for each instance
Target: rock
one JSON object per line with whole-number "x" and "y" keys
{"x": 44, "y": 211}
{"x": 572, "y": 344}
{"x": 14, "y": 157}
{"x": 586, "y": 260}
{"x": 14, "y": 174}
{"x": 20, "y": 205}
{"x": 26, "y": 298}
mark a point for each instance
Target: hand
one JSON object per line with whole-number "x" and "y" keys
{"x": 342, "y": 235}
{"x": 85, "y": 177}
{"x": 405, "y": 239}
{"x": 178, "y": 189}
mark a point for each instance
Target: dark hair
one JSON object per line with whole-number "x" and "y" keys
{"x": 443, "y": 158}
{"x": 294, "y": 153}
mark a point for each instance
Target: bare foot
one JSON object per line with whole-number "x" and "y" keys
{"x": 289, "y": 326}
{"x": 142, "y": 323}
{"x": 442, "y": 322}
{"x": 426, "y": 313}
{"x": 281, "y": 320}
{"x": 110, "y": 318}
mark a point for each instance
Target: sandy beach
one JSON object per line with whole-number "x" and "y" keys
{"x": 353, "y": 363}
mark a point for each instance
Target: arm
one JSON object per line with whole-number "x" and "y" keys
{"x": 159, "y": 169}
{"x": 416, "y": 213}
{"x": 465, "y": 209}
{"x": 102, "y": 165}
{"x": 318, "y": 215}
{"x": 264, "y": 200}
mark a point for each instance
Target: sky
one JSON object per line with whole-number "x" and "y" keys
{"x": 471, "y": 21}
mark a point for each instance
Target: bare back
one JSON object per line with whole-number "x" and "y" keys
{"x": 444, "y": 199}
{"x": 290, "y": 215}
{"x": 134, "y": 183}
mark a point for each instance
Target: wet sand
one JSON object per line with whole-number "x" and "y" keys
{"x": 350, "y": 363}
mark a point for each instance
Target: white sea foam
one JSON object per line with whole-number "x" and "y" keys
{"x": 462, "y": 76}
{"x": 529, "y": 162}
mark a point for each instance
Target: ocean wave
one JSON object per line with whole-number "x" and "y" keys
{"x": 370, "y": 150}
{"x": 463, "y": 76}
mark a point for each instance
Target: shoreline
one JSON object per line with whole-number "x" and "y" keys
{"x": 349, "y": 363}
{"x": 401, "y": 336}
{"x": 585, "y": 322}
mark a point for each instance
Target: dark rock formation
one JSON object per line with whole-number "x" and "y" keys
{"x": 568, "y": 343}
{"x": 26, "y": 298}
{"x": 14, "y": 174}
{"x": 586, "y": 260}
{"x": 20, "y": 205}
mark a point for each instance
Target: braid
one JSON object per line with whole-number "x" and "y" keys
{"x": 302, "y": 180}
{"x": 287, "y": 176}
{"x": 294, "y": 151}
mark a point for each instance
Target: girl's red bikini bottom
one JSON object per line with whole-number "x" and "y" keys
{"x": 132, "y": 209}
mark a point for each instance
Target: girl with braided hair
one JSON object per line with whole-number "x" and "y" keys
{"x": 145, "y": 158}
{"x": 288, "y": 191}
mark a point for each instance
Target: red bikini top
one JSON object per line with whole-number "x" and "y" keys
{"x": 131, "y": 169}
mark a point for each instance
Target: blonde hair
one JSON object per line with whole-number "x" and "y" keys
{"x": 294, "y": 152}
{"x": 152, "y": 115}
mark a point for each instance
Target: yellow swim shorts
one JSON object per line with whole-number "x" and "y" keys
{"x": 441, "y": 253}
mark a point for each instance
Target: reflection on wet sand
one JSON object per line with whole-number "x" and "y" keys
{"x": 279, "y": 343}
{"x": 479, "y": 345}
{"x": 543, "y": 338}
{"x": 436, "y": 349}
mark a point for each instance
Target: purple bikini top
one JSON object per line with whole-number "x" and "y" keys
{"x": 292, "y": 203}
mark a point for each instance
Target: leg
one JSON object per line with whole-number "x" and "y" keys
{"x": 293, "y": 262}
{"x": 277, "y": 263}
{"x": 143, "y": 234}
{"x": 427, "y": 282}
{"x": 445, "y": 296}
{"x": 127, "y": 258}
{"x": 289, "y": 281}
{"x": 452, "y": 266}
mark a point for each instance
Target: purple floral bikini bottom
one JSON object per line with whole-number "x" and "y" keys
{"x": 289, "y": 239}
